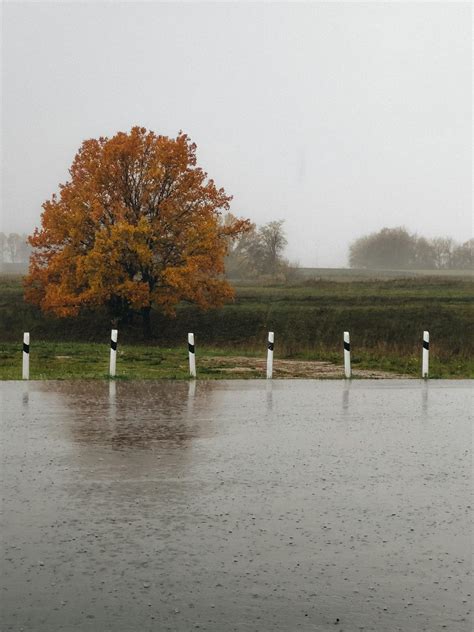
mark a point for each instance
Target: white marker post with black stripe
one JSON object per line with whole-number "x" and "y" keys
{"x": 113, "y": 352}
{"x": 271, "y": 341}
{"x": 192, "y": 355}
{"x": 426, "y": 355}
{"x": 26, "y": 356}
{"x": 347, "y": 354}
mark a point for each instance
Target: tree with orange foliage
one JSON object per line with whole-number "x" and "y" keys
{"x": 137, "y": 225}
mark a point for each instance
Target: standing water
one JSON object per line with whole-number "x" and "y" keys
{"x": 241, "y": 505}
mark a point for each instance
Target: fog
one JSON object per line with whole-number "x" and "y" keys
{"x": 339, "y": 118}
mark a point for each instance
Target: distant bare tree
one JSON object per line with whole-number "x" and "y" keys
{"x": 14, "y": 248}
{"x": 463, "y": 256}
{"x": 24, "y": 249}
{"x": 443, "y": 248}
{"x": 258, "y": 252}
{"x": 3, "y": 247}
{"x": 273, "y": 242}
{"x": 239, "y": 261}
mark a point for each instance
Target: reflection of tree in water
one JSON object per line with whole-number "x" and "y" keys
{"x": 141, "y": 415}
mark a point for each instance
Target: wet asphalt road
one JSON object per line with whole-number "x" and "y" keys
{"x": 236, "y": 505}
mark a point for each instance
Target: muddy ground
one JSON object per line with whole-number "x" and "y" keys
{"x": 242, "y": 366}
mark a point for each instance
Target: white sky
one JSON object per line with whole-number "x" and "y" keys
{"x": 340, "y": 118}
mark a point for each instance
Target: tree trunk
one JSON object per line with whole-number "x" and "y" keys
{"x": 146, "y": 322}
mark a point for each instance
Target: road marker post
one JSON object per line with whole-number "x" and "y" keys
{"x": 347, "y": 354}
{"x": 425, "y": 355}
{"x": 26, "y": 356}
{"x": 113, "y": 352}
{"x": 192, "y": 355}
{"x": 270, "y": 345}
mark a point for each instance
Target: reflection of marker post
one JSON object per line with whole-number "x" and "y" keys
{"x": 269, "y": 392}
{"x": 345, "y": 395}
{"x": 191, "y": 398}
{"x": 113, "y": 352}
{"x": 112, "y": 392}
{"x": 112, "y": 401}
{"x": 424, "y": 397}
{"x": 271, "y": 340}
{"x": 426, "y": 354}
{"x": 191, "y": 390}
{"x": 26, "y": 356}
{"x": 347, "y": 354}
{"x": 192, "y": 355}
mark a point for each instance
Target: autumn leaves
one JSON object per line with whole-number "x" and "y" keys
{"x": 138, "y": 225}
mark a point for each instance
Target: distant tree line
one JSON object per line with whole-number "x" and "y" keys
{"x": 14, "y": 248}
{"x": 258, "y": 253}
{"x": 396, "y": 248}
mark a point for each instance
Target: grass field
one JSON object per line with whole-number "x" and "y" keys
{"x": 386, "y": 319}
{"x": 353, "y": 274}
{"x": 71, "y": 360}
{"x": 66, "y": 360}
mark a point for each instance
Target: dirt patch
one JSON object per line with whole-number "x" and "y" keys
{"x": 256, "y": 367}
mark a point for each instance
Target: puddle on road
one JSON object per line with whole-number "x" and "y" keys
{"x": 236, "y": 505}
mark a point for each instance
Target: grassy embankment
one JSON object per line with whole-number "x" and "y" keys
{"x": 385, "y": 317}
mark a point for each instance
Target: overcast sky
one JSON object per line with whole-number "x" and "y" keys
{"x": 339, "y": 118}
